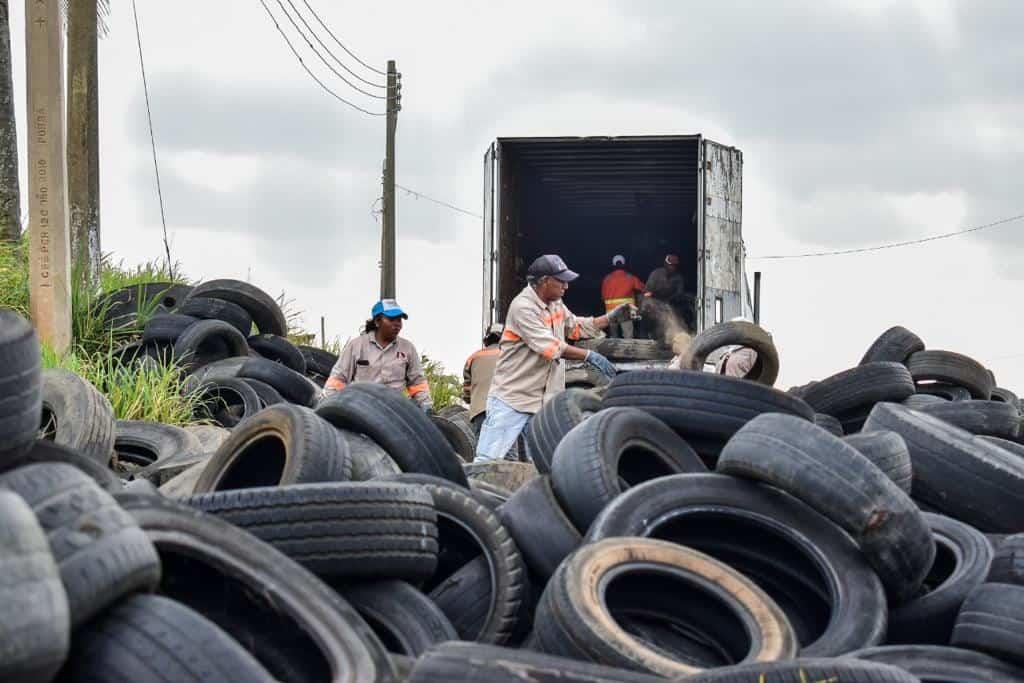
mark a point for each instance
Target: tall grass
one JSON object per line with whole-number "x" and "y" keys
{"x": 445, "y": 388}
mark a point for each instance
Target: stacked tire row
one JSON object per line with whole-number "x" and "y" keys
{"x": 684, "y": 526}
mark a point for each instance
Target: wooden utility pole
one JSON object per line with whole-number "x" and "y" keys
{"x": 10, "y": 191}
{"x": 387, "y": 243}
{"x": 83, "y": 138}
{"x": 49, "y": 258}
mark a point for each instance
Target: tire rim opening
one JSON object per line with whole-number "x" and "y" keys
{"x": 48, "y": 424}
{"x": 946, "y": 561}
{"x": 260, "y": 462}
{"x": 638, "y": 463}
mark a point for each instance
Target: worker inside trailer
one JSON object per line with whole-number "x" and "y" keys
{"x": 382, "y": 357}
{"x": 666, "y": 303}
{"x": 620, "y": 287}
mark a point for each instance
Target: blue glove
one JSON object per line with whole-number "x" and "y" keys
{"x": 603, "y": 365}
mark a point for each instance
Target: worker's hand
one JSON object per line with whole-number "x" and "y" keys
{"x": 603, "y": 365}
{"x": 623, "y": 313}
{"x": 427, "y": 407}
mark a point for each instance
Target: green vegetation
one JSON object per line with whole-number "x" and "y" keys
{"x": 445, "y": 389}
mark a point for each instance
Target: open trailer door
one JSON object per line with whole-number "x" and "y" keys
{"x": 722, "y": 253}
{"x": 490, "y": 260}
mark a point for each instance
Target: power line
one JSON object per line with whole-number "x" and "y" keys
{"x": 891, "y": 245}
{"x": 331, "y": 34}
{"x": 152, "y": 142}
{"x": 382, "y": 86}
{"x": 311, "y": 74}
{"x": 318, "y": 54}
{"x": 420, "y": 195}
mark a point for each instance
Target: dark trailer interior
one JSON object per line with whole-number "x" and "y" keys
{"x": 588, "y": 199}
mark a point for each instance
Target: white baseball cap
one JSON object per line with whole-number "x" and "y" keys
{"x": 618, "y": 260}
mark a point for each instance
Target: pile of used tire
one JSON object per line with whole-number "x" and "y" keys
{"x": 683, "y": 526}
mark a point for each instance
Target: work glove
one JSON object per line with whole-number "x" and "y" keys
{"x": 427, "y": 407}
{"x": 603, "y": 365}
{"x": 623, "y": 313}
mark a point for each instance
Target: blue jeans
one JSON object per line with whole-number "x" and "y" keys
{"x": 500, "y": 431}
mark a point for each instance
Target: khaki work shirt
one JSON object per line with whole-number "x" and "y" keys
{"x": 396, "y": 365}
{"x": 476, "y": 378}
{"x": 530, "y": 368}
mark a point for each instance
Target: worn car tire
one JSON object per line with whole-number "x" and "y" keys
{"x": 407, "y": 621}
{"x": 1006, "y": 396}
{"x": 265, "y": 312}
{"x": 20, "y": 385}
{"x": 150, "y": 639}
{"x": 1008, "y": 561}
{"x": 267, "y": 394}
{"x": 397, "y": 425}
{"x": 207, "y": 308}
{"x": 294, "y": 387}
{"x": 553, "y": 421}
{"x": 100, "y": 551}
{"x": 962, "y": 560}
{"x": 958, "y": 474}
{"x": 165, "y": 328}
{"x": 888, "y": 452}
{"x": 279, "y": 350}
{"x": 633, "y": 349}
{"x": 78, "y": 416}
{"x": 991, "y": 620}
{"x": 282, "y": 444}
{"x": 840, "y": 483}
{"x": 318, "y": 361}
{"x": 35, "y": 628}
{"x": 43, "y": 451}
{"x": 259, "y": 596}
{"x": 895, "y": 345}
{"x": 131, "y": 306}
{"x": 859, "y": 387}
{"x": 809, "y": 566}
{"x": 612, "y": 451}
{"x": 940, "y": 663}
{"x": 805, "y": 670}
{"x": 944, "y": 390}
{"x": 984, "y": 418}
{"x": 578, "y": 613}
{"x": 345, "y": 530}
{"x": 829, "y": 423}
{"x": 537, "y": 523}
{"x": 954, "y": 368}
{"x": 140, "y": 443}
{"x": 226, "y": 401}
{"x": 459, "y": 433}
{"x": 369, "y": 461}
{"x": 208, "y": 341}
{"x": 918, "y": 401}
{"x": 736, "y": 333}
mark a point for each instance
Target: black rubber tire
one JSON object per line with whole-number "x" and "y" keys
{"x": 459, "y": 433}
{"x": 537, "y": 523}
{"x": 397, "y": 425}
{"x": 281, "y": 444}
{"x": 957, "y": 473}
{"x": 829, "y": 423}
{"x": 265, "y": 312}
{"x": 806, "y": 670}
{"x": 131, "y": 306}
{"x": 221, "y": 369}
{"x": 43, "y": 451}
{"x": 918, "y": 401}
{"x": 259, "y": 596}
{"x": 140, "y": 443}
{"x": 895, "y": 345}
{"x": 984, "y": 418}
{"x": 339, "y": 531}
{"x": 476, "y": 663}
{"x": 633, "y": 349}
{"x": 267, "y": 394}
{"x": 279, "y": 350}
{"x": 165, "y": 328}
{"x": 210, "y": 436}
{"x": 553, "y": 421}
{"x": 700, "y": 404}
{"x": 35, "y": 629}
{"x": 954, "y": 368}
{"x": 150, "y": 639}
{"x": 468, "y": 530}
{"x": 836, "y": 480}
{"x": 369, "y": 461}
{"x": 294, "y": 387}
{"x": 944, "y": 390}
{"x": 807, "y": 564}
{"x": 1008, "y": 561}
{"x": 579, "y": 375}
{"x": 78, "y": 416}
{"x": 1006, "y": 396}
{"x": 938, "y": 664}
{"x": 991, "y": 620}
{"x": 208, "y": 341}
{"x": 100, "y": 550}
{"x": 208, "y": 308}
{"x": 406, "y": 620}
{"x": 860, "y": 387}
{"x": 739, "y": 333}
{"x": 612, "y": 451}
{"x": 962, "y": 560}
{"x": 226, "y": 401}
{"x": 579, "y": 611}
{"x": 20, "y": 385}
{"x": 490, "y": 495}
{"x": 318, "y": 361}
{"x": 888, "y": 452}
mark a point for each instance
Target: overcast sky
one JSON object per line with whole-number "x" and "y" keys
{"x": 860, "y": 123}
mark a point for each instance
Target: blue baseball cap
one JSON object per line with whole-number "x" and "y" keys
{"x": 389, "y": 308}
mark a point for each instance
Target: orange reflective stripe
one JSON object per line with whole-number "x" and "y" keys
{"x": 418, "y": 388}
{"x": 612, "y": 304}
{"x": 556, "y": 318}
{"x": 577, "y": 332}
{"x": 509, "y": 335}
{"x": 552, "y": 349}
{"x": 482, "y": 353}
{"x": 334, "y": 383}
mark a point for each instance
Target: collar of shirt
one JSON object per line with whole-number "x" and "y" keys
{"x": 532, "y": 294}
{"x": 373, "y": 340}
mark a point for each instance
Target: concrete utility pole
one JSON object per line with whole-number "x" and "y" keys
{"x": 10, "y": 190}
{"x": 387, "y": 243}
{"x": 49, "y": 264}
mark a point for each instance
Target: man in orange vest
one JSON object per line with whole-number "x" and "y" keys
{"x": 620, "y": 287}
{"x": 477, "y": 376}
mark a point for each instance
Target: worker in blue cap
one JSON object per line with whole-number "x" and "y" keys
{"x": 381, "y": 356}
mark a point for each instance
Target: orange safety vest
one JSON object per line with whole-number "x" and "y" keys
{"x": 620, "y": 287}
